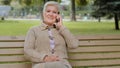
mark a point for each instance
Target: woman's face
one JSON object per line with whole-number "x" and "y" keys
{"x": 50, "y": 14}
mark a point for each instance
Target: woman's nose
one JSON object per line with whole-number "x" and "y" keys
{"x": 50, "y": 13}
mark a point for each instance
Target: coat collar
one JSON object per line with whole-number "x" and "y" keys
{"x": 45, "y": 26}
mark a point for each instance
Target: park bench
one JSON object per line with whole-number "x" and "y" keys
{"x": 94, "y": 51}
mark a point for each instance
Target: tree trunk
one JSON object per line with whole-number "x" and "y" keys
{"x": 116, "y": 21}
{"x": 99, "y": 19}
{"x": 73, "y": 18}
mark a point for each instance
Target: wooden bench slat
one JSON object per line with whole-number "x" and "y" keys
{"x": 95, "y": 62}
{"x": 11, "y": 51}
{"x": 83, "y": 37}
{"x": 11, "y": 38}
{"x": 96, "y": 49}
{"x": 94, "y": 56}
{"x": 100, "y": 42}
{"x": 16, "y": 65}
{"x": 81, "y": 43}
{"x": 71, "y": 56}
{"x": 11, "y": 44}
{"x": 98, "y": 37}
{"x": 14, "y": 58}
{"x": 79, "y": 49}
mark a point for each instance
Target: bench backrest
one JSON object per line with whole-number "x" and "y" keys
{"x": 93, "y": 51}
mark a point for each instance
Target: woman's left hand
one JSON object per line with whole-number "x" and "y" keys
{"x": 51, "y": 58}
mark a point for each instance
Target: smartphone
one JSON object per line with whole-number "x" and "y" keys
{"x": 57, "y": 20}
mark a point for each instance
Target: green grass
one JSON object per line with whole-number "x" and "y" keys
{"x": 15, "y": 28}
{"x": 92, "y": 28}
{"x": 12, "y": 28}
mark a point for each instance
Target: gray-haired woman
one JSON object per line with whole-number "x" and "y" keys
{"x": 46, "y": 45}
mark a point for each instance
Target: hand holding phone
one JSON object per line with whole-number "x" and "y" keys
{"x": 58, "y": 22}
{"x": 58, "y": 19}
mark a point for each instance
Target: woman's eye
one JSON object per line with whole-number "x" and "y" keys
{"x": 48, "y": 11}
{"x": 55, "y": 12}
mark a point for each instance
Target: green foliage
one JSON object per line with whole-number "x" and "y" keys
{"x": 107, "y": 6}
{"x": 81, "y": 2}
{"x": 31, "y": 2}
{"x": 25, "y": 2}
{"x": 6, "y": 2}
{"x": 28, "y": 2}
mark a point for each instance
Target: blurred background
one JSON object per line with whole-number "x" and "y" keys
{"x": 31, "y": 9}
{"x": 71, "y": 10}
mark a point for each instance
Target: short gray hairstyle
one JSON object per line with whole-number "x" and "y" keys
{"x": 51, "y": 3}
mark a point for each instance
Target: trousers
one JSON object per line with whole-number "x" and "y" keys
{"x": 55, "y": 64}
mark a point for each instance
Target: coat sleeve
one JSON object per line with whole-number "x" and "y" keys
{"x": 70, "y": 39}
{"x": 29, "y": 49}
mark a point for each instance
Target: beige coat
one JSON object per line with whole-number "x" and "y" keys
{"x": 37, "y": 44}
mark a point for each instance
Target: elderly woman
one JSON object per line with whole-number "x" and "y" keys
{"x": 46, "y": 45}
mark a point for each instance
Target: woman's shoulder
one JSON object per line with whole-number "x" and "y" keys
{"x": 34, "y": 28}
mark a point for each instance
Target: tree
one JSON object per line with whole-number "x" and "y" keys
{"x": 29, "y": 5}
{"x": 81, "y": 2}
{"x": 73, "y": 5}
{"x": 6, "y": 2}
{"x": 73, "y": 13}
{"x": 107, "y": 7}
{"x": 26, "y": 2}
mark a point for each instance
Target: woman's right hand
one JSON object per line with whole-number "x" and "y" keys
{"x": 51, "y": 58}
{"x": 59, "y": 23}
